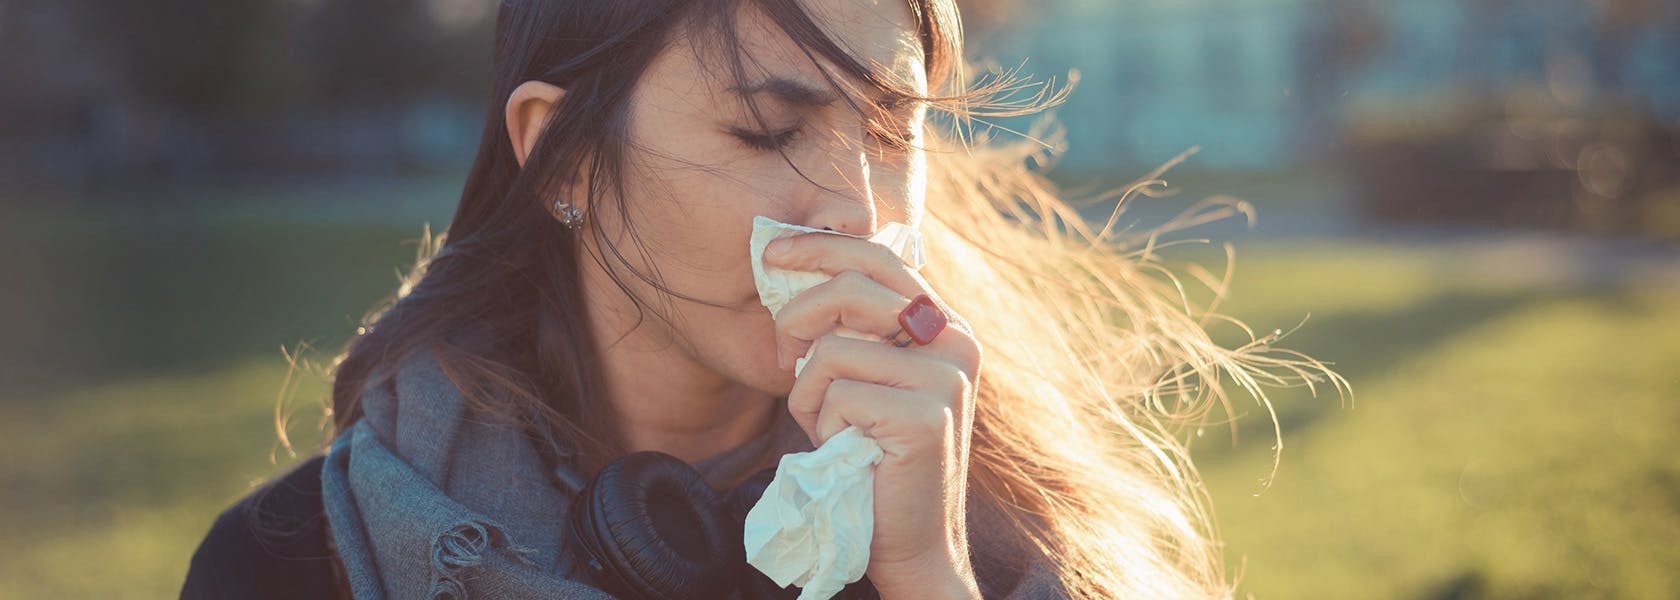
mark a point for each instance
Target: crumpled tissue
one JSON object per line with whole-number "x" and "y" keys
{"x": 813, "y": 525}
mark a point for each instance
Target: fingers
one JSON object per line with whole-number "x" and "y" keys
{"x": 887, "y": 415}
{"x": 851, "y": 300}
{"x": 837, "y": 255}
{"x": 885, "y": 390}
{"x": 834, "y": 254}
{"x": 854, "y": 301}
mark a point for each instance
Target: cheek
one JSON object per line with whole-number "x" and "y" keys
{"x": 697, "y": 222}
{"x": 900, "y": 189}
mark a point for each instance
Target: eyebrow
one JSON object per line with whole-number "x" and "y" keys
{"x": 789, "y": 91}
{"x": 798, "y": 93}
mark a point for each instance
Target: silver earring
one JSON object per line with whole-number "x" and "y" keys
{"x": 569, "y": 215}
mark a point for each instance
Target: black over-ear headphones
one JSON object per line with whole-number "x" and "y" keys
{"x": 650, "y": 528}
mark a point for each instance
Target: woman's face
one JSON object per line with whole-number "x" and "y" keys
{"x": 701, "y": 167}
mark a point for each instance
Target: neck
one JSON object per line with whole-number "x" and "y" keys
{"x": 660, "y": 398}
{"x": 662, "y": 404}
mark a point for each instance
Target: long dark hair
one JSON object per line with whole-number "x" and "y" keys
{"x": 500, "y": 303}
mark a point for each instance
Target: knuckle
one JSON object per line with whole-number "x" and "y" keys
{"x": 931, "y": 417}
{"x": 801, "y": 402}
{"x": 971, "y": 355}
{"x": 783, "y": 323}
{"x": 963, "y": 346}
{"x": 955, "y": 383}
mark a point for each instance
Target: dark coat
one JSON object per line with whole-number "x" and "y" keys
{"x": 273, "y": 544}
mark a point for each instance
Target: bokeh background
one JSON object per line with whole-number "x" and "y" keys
{"x": 1474, "y": 205}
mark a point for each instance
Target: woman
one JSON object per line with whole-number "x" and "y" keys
{"x": 594, "y": 299}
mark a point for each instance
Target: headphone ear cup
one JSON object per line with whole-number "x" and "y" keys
{"x": 655, "y": 530}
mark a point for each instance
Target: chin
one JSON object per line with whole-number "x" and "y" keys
{"x": 763, "y": 374}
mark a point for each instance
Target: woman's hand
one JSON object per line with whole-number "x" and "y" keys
{"x": 916, "y": 402}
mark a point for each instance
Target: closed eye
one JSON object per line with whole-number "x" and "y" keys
{"x": 765, "y": 141}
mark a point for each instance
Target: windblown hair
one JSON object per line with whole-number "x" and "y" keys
{"x": 1097, "y": 362}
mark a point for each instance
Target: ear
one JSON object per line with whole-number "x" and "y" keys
{"x": 527, "y": 110}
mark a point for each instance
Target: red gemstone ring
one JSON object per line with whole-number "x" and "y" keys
{"x": 919, "y": 322}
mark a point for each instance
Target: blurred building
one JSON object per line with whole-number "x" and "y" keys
{"x": 1272, "y": 84}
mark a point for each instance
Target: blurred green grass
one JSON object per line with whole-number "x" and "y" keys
{"x": 1504, "y": 441}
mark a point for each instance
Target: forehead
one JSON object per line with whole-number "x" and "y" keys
{"x": 880, "y": 34}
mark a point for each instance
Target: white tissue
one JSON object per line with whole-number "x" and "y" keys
{"x": 777, "y": 286}
{"x": 813, "y": 526}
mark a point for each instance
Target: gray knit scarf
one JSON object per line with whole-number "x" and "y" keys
{"x": 426, "y": 500}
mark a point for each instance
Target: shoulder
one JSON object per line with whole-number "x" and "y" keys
{"x": 273, "y": 543}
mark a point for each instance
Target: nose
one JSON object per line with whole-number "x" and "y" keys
{"x": 842, "y": 199}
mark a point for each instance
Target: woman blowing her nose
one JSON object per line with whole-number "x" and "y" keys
{"x": 581, "y": 392}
